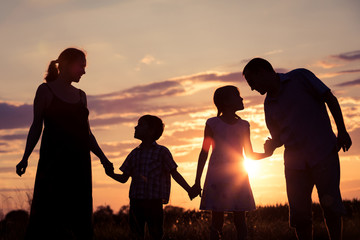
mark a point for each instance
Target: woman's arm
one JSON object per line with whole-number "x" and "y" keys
{"x": 35, "y": 129}
{"x": 94, "y": 146}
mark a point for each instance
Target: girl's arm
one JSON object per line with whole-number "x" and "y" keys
{"x": 208, "y": 138}
{"x": 35, "y": 129}
{"x": 249, "y": 150}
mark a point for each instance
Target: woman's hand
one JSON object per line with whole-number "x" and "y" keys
{"x": 21, "y": 167}
{"x": 109, "y": 167}
{"x": 195, "y": 191}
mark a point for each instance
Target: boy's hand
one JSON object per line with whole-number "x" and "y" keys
{"x": 195, "y": 191}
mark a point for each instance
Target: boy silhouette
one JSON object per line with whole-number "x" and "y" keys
{"x": 296, "y": 116}
{"x": 150, "y": 166}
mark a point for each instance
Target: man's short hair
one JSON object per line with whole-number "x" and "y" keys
{"x": 154, "y": 123}
{"x": 257, "y": 64}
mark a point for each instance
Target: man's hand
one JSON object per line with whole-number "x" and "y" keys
{"x": 343, "y": 141}
{"x": 269, "y": 146}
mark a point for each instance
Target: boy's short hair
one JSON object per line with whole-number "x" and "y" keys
{"x": 256, "y": 64}
{"x": 154, "y": 123}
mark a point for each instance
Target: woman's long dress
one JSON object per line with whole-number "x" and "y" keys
{"x": 227, "y": 186}
{"x": 62, "y": 202}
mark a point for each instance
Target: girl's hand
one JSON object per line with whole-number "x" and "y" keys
{"x": 21, "y": 167}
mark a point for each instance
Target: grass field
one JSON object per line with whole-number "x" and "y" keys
{"x": 265, "y": 223}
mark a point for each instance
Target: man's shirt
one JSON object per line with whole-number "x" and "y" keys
{"x": 297, "y": 117}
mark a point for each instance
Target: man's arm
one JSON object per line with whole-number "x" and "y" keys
{"x": 343, "y": 138}
{"x": 273, "y": 142}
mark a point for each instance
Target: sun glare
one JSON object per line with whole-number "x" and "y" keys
{"x": 252, "y": 166}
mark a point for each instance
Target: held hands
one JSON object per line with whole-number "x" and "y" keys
{"x": 195, "y": 191}
{"x": 109, "y": 168}
{"x": 343, "y": 141}
{"x": 21, "y": 167}
{"x": 269, "y": 147}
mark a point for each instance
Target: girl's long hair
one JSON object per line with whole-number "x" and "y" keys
{"x": 220, "y": 96}
{"x": 67, "y": 56}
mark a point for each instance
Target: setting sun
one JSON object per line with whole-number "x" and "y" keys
{"x": 251, "y": 166}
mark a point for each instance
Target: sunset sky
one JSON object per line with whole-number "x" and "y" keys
{"x": 166, "y": 58}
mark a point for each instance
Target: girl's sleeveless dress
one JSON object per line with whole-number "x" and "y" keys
{"x": 62, "y": 202}
{"x": 227, "y": 186}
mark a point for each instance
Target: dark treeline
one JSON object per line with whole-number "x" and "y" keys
{"x": 266, "y": 222}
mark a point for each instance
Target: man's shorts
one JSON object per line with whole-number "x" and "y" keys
{"x": 299, "y": 186}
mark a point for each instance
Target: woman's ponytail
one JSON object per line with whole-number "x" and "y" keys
{"x": 52, "y": 72}
{"x": 66, "y": 57}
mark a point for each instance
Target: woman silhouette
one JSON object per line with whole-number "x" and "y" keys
{"x": 62, "y": 202}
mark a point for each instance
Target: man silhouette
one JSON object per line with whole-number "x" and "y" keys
{"x": 297, "y": 118}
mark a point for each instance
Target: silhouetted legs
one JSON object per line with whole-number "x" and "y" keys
{"x": 146, "y": 211}
{"x": 299, "y": 185}
{"x": 327, "y": 181}
{"x": 217, "y": 223}
{"x": 240, "y": 224}
{"x": 334, "y": 226}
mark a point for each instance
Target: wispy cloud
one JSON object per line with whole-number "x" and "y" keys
{"x": 349, "y": 83}
{"x": 338, "y": 60}
{"x": 15, "y": 116}
{"x": 348, "y": 56}
{"x": 7, "y": 169}
{"x": 276, "y": 51}
{"x": 326, "y": 64}
{"x": 334, "y": 74}
{"x": 125, "y": 105}
{"x": 12, "y": 137}
{"x": 149, "y": 59}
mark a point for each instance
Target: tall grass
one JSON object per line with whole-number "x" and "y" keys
{"x": 265, "y": 223}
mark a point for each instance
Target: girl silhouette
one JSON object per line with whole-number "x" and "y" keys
{"x": 227, "y": 187}
{"x": 62, "y": 202}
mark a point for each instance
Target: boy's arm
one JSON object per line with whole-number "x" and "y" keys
{"x": 343, "y": 138}
{"x": 180, "y": 180}
{"x": 120, "y": 177}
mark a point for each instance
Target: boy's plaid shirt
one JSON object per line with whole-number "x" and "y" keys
{"x": 150, "y": 172}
